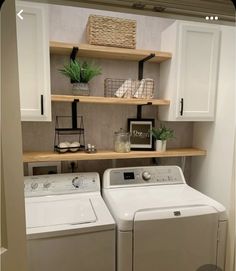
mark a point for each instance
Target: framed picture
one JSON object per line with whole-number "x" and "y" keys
{"x": 140, "y": 134}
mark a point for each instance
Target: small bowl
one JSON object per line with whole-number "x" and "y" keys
{"x": 74, "y": 146}
{"x": 62, "y": 147}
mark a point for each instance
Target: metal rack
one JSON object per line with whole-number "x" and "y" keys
{"x": 65, "y": 133}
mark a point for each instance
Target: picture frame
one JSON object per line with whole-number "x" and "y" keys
{"x": 141, "y": 134}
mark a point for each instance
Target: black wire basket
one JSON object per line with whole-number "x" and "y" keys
{"x": 68, "y": 138}
{"x": 128, "y": 88}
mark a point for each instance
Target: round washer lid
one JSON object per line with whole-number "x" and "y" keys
{"x": 53, "y": 211}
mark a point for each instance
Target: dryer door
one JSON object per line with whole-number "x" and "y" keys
{"x": 179, "y": 239}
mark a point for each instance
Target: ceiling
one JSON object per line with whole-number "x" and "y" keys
{"x": 193, "y": 9}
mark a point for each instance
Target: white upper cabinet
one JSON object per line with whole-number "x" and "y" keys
{"x": 34, "y": 61}
{"x": 189, "y": 79}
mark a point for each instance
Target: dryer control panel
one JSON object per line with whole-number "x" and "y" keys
{"x": 140, "y": 176}
{"x": 67, "y": 183}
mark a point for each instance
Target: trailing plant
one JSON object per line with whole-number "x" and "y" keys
{"x": 80, "y": 72}
{"x": 162, "y": 133}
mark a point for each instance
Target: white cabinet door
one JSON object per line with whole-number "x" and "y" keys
{"x": 198, "y": 66}
{"x": 33, "y": 62}
{"x": 190, "y": 79}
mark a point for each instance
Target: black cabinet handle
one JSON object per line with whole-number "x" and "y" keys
{"x": 42, "y": 106}
{"x": 181, "y": 106}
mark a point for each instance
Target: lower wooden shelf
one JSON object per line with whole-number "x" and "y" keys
{"x": 101, "y": 155}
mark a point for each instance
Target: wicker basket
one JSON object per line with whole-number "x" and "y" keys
{"x": 111, "y": 31}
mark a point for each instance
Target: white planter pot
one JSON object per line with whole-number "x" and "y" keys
{"x": 160, "y": 145}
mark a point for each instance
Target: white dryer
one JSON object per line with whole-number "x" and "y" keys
{"x": 162, "y": 223}
{"x": 69, "y": 227}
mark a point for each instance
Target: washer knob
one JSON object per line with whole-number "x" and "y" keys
{"x": 146, "y": 176}
{"x": 34, "y": 186}
{"x": 76, "y": 182}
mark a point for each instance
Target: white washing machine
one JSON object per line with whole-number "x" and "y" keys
{"x": 69, "y": 227}
{"x": 162, "y": 223}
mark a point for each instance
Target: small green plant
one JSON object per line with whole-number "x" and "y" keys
{"x": 162, "y": 133}
{"x": 80, "y": 72}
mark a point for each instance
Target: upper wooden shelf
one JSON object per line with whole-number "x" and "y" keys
{"x": 102, "y": 155}
{"x": 93, "y": 51}
{"x": 108, "y": 100}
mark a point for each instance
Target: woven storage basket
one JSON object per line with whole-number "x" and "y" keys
{"x": 111, "y": 31}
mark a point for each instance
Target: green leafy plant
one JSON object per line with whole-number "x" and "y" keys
{"x": 162, "y": 133}
{"x": 80, "y": 72}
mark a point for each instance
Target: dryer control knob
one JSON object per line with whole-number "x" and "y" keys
{"x": 146, "y": 176}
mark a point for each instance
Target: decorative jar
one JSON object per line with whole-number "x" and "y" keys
{"x": 122, "y": 141}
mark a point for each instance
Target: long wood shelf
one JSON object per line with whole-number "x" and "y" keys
{"x": 108, "y": 100}
{"x": 93, "y": 51}
{"x": 102, "y": 155}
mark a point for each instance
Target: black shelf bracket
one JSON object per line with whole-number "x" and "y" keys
{"x": 139, "y": 109}
{"x": 74, "y": 53}
{"x": 140, "y": 65}
{"x": 74, "y": 103}
{"x": 74, "y": 113}
{"x": 140, "y": 77}
{"x": 73, "y": 57}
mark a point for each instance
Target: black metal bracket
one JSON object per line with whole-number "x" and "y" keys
{"x": 140, "y": 65}
{"x": 73, "y": 57}
{"x": 140, "y": 77}
{"x": 139, "y": 109}
{"x": 74, "y": 53}
{"x": 74, "y": 113}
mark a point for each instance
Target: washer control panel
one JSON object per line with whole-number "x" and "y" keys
{"x": 135, "y": 176}
{"x": 42, "y": 185}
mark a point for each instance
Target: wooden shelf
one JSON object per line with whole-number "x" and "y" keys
{"x": 108, "y": 100}
{"x": 101, "y": 155}
{"x": 93, "y": 51}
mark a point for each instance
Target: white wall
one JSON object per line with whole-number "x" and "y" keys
{"x": 68, "y": 24}
{"x": 230, "y": 260}
{"x": 13, "y": 219}
{"x": 212, "y": 175}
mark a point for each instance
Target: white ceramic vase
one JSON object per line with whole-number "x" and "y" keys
{"x": 160, "y": 145}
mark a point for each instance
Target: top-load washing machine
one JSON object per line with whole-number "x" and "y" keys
{"x": 162, "y": 223}
{"x": 69, "y": 227}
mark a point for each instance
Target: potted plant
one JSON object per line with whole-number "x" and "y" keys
{"x": 80, "y": 74}
{"x": 161, "y": 135}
